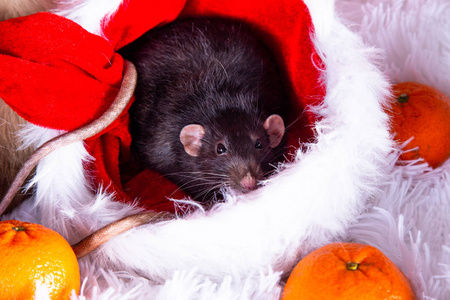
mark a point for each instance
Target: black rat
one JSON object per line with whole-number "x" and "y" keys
{"x": 206, "y": 114}
{"x": 208, "y": 107}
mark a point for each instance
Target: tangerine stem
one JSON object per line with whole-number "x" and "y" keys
{"x": 403, "y": 98}
{"x": 352, "y": 266}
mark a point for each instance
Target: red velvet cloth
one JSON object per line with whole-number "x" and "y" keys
{"x": 56, "y": 74}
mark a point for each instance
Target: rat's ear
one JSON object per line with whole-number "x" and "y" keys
{"x": 274, "y": 127}
{"x": 191, "y": 137}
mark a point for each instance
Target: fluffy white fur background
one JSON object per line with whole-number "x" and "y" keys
{"x": 410, "y": 221}
{"x": 346, "y": 187}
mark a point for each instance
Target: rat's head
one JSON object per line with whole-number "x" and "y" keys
{"x": 235, "y": 152}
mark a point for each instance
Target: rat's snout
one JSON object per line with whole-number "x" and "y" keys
{"x": 248, "y": 182}
{"x": 245, "y": 175}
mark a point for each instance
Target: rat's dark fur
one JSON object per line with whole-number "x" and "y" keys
{"x": 210, "y": 72}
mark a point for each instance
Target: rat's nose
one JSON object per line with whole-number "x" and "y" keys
{"x": 248, "y": 182}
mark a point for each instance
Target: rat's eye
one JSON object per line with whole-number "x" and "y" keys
{"x": 258, "y": 144}
{"x": 221, "y": 149}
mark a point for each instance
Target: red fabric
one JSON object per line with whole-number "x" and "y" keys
{"x": 135, "y": 17}
{"x": 55, "y": 74}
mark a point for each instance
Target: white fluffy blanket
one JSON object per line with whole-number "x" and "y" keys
{"x": 410, "y": 221}
{"x": 347, "y": 186}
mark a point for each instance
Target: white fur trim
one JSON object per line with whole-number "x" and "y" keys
{"x": 64, "y": 199}
{"x": 90, "y": 14}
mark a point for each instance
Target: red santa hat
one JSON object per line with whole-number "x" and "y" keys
{"x": 56, "y": 74}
